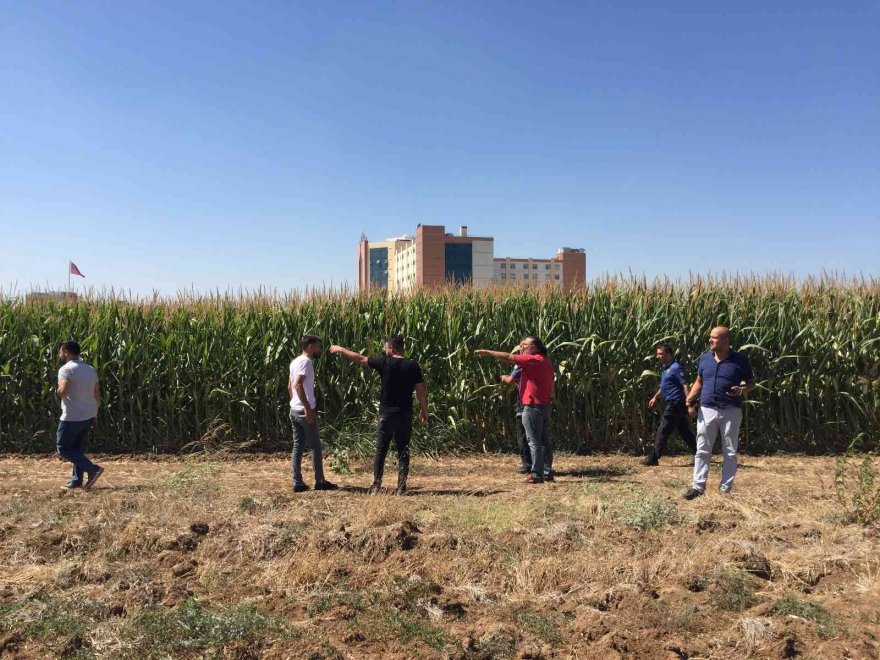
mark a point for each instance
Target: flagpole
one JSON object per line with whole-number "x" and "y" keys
{"x": 68, "y": 276}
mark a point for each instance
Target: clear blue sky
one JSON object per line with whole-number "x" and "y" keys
{"x": 168, "y": 145}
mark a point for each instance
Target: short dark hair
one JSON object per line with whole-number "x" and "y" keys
{"x": 666, "y": 346}
{"x": 71, "y": 347}
{"x": 308, "y": 340}
{"x": 539, "y": 345}
{"x": 395, "y": 342}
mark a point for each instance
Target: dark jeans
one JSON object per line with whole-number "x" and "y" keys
{"x": 396, "y": 426}
{"x": 675, "y": 418}
{"x": 536, "y": 420}
{"x": 71, "y": 444}
{"x": 522, "y": 442}
{"x": 305, "y": 434}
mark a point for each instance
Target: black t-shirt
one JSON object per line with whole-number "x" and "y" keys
{"x": 399, "y": 379}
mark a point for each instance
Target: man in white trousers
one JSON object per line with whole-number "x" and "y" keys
{"x": 724, "y": 377}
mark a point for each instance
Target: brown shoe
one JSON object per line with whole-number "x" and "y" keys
{"x": 93, "y": 477}
{"x": 532, "y": 479}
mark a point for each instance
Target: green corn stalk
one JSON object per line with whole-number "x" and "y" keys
{"x": 172, "y": 369}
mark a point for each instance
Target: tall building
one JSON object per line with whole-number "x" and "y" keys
{"x": 434, "y": 257}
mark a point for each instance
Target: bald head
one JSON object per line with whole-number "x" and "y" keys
{"x": 719, "y": 339}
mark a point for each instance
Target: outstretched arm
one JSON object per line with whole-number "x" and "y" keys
{"x": 498, "y": 355}
{"x": 351, "y": 355}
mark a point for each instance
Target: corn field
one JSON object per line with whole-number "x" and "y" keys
{"x": 174, "y": 372}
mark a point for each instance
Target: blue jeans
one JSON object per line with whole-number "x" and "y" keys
{"x": 305, "y": 434}
{"x": 536, "y": 420}
{"x": 71, "y": 443}
{"x": 525, "y": 452}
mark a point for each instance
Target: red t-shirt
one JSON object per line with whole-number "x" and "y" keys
{"x": 536, "y": 381}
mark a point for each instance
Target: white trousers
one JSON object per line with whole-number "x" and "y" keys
{"x": 711, "y": 422}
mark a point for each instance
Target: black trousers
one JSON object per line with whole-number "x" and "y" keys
{"x": 675, "y": 418}
{"x": 396, "y": 426}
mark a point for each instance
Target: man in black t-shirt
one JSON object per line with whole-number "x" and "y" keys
{"x": 400, "y": 377}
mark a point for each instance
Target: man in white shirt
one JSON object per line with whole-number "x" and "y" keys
{"x": 80, "y": 398}
{"x": 301, "y": 387}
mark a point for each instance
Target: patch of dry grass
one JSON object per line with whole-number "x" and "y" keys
{"x": 208, "y": 556}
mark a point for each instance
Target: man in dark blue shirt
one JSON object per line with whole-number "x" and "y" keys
{"x": 724, "y": 377}
{"x": 519, "y": 430}
{"x": 675, "y": 417}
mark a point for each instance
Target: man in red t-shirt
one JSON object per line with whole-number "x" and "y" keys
{"x": 536, "y": 396}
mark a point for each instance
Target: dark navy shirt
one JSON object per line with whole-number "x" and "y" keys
{"x": 671, "y": 382}
{"x": 516, "y": 375}
{"x": 719, "y": 377}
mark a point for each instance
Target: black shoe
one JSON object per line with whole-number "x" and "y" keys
{"x": 650, "y": 461}
{"x": 401, "y": 489}
{"x": 524, "y": 469}
{"x": 300, "y": 488}
{"x": 326, "y": 485}
{"x": 71, "y": 485}
{"x": 375, "y": 489}
{"x": 93, "y": 477}
{"x": 549, "y": 477}
{"x": 532, "y": 479}
{"x": 692, "y": 493}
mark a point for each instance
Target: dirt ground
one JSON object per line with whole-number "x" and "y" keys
{"x": 215, "y": 556}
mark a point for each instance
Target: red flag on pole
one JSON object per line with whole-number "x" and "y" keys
{"x": 75, "y": 271}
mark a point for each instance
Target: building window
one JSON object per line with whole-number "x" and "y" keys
{"x": 513, "y": 276}
{"x": 556, "y": 276}
{"x": 546, "y": 266}
{"x": 379, "y": 267}
{"x": 459, "y": 262}
{"x": 503, "y": 266}
{"x": 503, "y": 276}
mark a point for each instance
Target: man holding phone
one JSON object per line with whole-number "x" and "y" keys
{"x": 724, "y": 377}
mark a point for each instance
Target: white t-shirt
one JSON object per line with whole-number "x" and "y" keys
{"x": 79, "y": 403}
{"x": 302, "y": 366}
